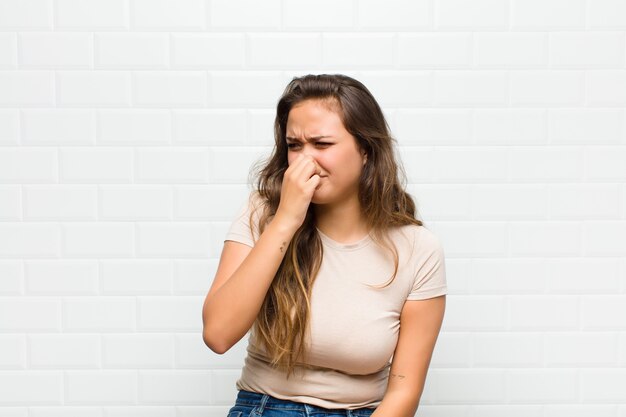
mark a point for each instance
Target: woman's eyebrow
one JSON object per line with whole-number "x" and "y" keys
{"x": 309, "y": 139}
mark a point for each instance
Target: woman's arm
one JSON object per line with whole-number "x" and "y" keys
{"x": 243, "y": 276}
{"x": 420, "y": 322}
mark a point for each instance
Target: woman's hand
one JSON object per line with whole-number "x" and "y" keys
{"x": 299, "y": 183}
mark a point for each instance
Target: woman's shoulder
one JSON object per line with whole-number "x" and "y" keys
{"x": 413, "y": 229}
{"x": 254, "y": 195}
{"x": 418, "y": 234}
{"x": 256, "y": 200}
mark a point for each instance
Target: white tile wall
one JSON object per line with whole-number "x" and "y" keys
{"x": 122, "y": 120}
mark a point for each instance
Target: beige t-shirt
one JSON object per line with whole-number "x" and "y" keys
{"x": 354, "y": 328}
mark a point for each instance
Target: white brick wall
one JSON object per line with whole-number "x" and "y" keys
{"x": 127, "y": 129}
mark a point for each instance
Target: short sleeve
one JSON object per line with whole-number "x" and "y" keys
{"x": 430, "y": 275}
{"x": 241, "y": 230}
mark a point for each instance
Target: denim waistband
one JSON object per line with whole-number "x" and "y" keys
{"x": 263, "y": 401}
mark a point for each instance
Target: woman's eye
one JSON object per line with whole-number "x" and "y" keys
{"x": 291, "y": 145}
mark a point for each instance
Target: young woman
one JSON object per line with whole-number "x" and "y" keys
{"x": 342, "y": 287}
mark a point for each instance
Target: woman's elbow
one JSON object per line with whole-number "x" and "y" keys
{"x": 213, "y": 344}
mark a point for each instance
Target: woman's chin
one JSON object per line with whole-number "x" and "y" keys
{"x": 318, "y": 196}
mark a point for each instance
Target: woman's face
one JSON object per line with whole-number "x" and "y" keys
{"x": 313, "y": 129}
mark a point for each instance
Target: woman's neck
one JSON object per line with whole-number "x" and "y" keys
{"x": 342, "y": 222}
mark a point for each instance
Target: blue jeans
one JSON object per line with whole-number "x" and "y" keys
{"x": 254, "y": 404}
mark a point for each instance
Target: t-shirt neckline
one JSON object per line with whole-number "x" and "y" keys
{"x": 364, "y": 241}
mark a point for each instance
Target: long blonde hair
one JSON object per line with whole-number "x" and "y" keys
{"x": 282, "y": 323}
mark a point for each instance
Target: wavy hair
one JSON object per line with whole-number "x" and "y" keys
{"x": 282, "y": 324}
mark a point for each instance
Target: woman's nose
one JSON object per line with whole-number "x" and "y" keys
{"x": 312, "y": 152}
{"x": 309, "y": 149}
